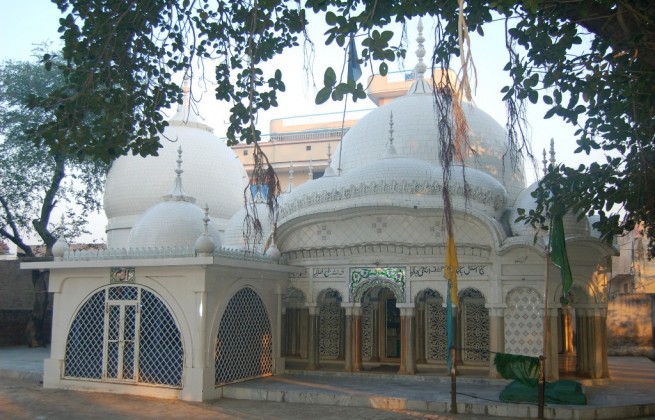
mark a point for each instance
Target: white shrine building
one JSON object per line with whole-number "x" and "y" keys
{"x": 176, "y": 307}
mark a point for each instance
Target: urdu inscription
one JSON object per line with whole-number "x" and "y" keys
{"x": 328, "y": 273}
{"x": 462, "y": 270}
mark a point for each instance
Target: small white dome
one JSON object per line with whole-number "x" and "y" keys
{"x": 205, "y": 244}
{"x": 273, "y": 253}
{"x": 525, "y": 201}
{"x": 171, "y": 224}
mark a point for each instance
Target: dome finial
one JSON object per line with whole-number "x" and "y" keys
{"x": 391, "y": 128}
{"x": 273, "y": 252}
{"x": 420, "y": 68}
{"x": 545, "y": 162}
{"x": 186, "y": 95}
{"x": 206, "y": 219}
{"x": 60, "y": 247}
{"x": 290, "y": 185}
{"x": 552, "y": 152}
{"x": 177, "y": 194}
{"x": 329, "y": 171}
{"x": 205, "y": 245}
{"x": 391, "y": 150}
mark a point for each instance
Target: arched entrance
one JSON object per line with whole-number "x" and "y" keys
{"x": 381, "y": 329}
{"x": 295, "y": 322}
{"x": 125, "y": 334}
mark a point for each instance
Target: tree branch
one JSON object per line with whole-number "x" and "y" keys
{"x": 49, "y": 201}
{"x": 15, "y": 236}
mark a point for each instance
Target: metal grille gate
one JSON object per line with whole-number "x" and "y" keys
{"x": 244, "y": 346}
{"x": 126, "y": 334}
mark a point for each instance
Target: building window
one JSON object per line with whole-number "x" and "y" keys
{"x": 245, "y": 152}
{"x": 308, "y": 148}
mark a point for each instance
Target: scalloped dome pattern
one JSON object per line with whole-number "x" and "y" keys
{"x": 395, "y": 181}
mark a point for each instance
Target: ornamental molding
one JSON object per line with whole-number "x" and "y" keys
{"x": 493, "y": 199}
{"x": 463, "y": 250}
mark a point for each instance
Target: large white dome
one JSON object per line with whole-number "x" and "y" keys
{"x": 213, "y": 175}
{"x": 415, "y": 136}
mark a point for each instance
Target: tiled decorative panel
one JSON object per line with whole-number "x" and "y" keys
{"x": 524, "y": 322}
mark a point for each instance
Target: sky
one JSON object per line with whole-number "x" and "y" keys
{"x": 28, "y": 22}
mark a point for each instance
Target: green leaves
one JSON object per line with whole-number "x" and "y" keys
{"x": 36, "y": 178}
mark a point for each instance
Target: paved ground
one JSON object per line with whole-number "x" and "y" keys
{"x": 26, "y": 399}
{"x": 22, "y": 397}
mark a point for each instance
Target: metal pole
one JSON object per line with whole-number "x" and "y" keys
{"x": 542, "y": 387}
{"x": 453, "y": 382}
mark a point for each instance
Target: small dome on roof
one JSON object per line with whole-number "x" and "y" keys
{"x": 175, "y": 222}
{"x": 171, "y": 224}
{"x": 525, "y": 201}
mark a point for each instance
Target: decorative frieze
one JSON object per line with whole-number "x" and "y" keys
{"x": 482, "y": 252}
{"x": 495, "y": 199}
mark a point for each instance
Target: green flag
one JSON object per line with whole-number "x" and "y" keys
{"x": 559, "y": 256}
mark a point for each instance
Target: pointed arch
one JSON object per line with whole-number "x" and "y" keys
{"x": 378, "y": 281}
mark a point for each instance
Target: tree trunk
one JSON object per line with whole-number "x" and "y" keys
{"x": 35, "y": 331}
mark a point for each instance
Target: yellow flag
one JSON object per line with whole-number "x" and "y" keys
{"x": 450, "y": 270}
